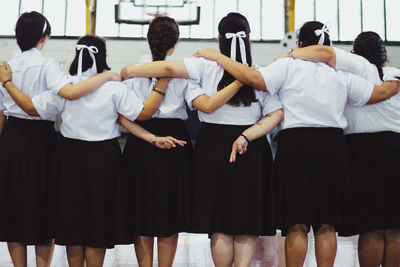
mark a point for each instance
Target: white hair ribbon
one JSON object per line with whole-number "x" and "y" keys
{"x": 242, "y": 47}
{"x": 91, "y": 49}
{"x": 44, "y": 26}
{"x": 321, "y": 32}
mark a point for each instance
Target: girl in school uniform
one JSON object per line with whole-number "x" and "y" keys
{"x": 373, "y": 138}
{"x": 161, "y": 178}
{"x": 27, "y": 142}
{"x": 311, "y": 161}
{"x": 89, "y": 191}
{"x": 230, "y": 202}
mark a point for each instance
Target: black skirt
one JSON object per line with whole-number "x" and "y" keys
{"x": 375, "y": 181}
{"x": 231, "y": 198}
{"x": 159, "y": 180}
{"x": 90, "y": 200}
{"x": 311, "y": 177}
{"x": 26, "y": 152}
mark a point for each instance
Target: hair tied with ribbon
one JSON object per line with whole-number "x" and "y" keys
{"x": 92, "y": 50}
{"x": 321, "y": 32}
{"x": 240, "y": 35}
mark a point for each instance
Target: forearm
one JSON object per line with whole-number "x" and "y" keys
{"x": 384, "y": 91}
{"x": 241, "y": 72}
{"x": 155, "y": 69}
{"x": 316, "y": 53}
{"x": 264, "y": 125}
{"x": 75, "y": 91}
{"x": 21, "y": 99}
{"x": 153, "y": 101}
{"x": 210, "y": 104}
{"x": 135, "y": 129}
{"x": 2, "y": 120}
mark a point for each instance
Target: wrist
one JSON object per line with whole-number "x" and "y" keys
{"x": 3, "y": 83}
{"x": 154, "y": 140}
{"x": 245, "y": 137}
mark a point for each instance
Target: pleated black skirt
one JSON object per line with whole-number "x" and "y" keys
{"x": 159, "y": 180}
{"x": 312, "y": 185}
{"x": 375, "y": 181}
{"x": 26, "y": 152}
{"x": 90, "y": 200}
{"x": 231, "y": 198}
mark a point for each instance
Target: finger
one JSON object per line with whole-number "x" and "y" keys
{"x": 239, "y": 148}
{"x": 179, "y": 142}
{"x": 233, "y": 156}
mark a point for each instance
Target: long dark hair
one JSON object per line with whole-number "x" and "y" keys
{"x": 233, "y": 23}
{"x": 29, "y": 29}
{"x": 162, "y": 35}
{"x": 307, "y": 36}
{"x": 370, "y": 46}
{"x": 87, "y": 62}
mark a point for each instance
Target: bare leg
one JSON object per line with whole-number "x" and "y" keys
{"x": 371, "y": 247}
{"x": 166, "y": 250}
{"x": 244, "y": 249}
{"x": 222, "y": 249}
{"x": 76, "y": 256}
{"x": 18, "y": 254}
{"x": 144, "y": 250}
{"x": 296, "y": 245}
{"x": 44, "y": 254}
{"x": 94, "y": 256}
{"x": 392, "y": 248}
{"x": 325, "y": 245}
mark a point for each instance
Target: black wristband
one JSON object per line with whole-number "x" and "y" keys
{"x": 158, "y": 91}
{"x": 245, "y": 137}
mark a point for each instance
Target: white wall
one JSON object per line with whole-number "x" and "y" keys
{"x": 122, "y": 52}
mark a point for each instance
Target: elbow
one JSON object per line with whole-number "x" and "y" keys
{"x": 279, "y": 115}
{"x": 70, "y": 95}
{"x": 169, "y": 69}
{"x": 125, "y": 72}
{"x": 144, "y": 117}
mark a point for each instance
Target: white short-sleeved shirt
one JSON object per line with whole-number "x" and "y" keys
{"x": 1, "y": 101}
{"x": 208, "y": 74}
{"x": 94, "y": 116}
{"x": 314, "y": 94}
{"x": 179, "y": 92}
{"x": 33, "y": 74}
{"x": 383, "y": 116}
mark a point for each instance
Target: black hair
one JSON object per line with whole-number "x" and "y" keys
{"x": 162, "y": 35}
{"x": 29, "y": 29}
{"x": 87, "y": 62}
{"x": 233, "y": 23}
{"x": 307, "y": 36}
{"x": 370, "y": 46}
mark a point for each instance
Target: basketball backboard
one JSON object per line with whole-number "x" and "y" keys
{"x": 185, "y": 12}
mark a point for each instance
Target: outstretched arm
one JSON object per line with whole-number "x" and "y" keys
{"x": 2, "y": 119}
{"x": 260, "y": 128}
{"x": 137, "y": 130}
{"x": 21, "y": 99}
{"x": 75, "y": 91}
{"x": 155, "y": 69}
{"x": 154, "y": 100}
{"x": 316, "y": 53}
{"x": 384, "y": 91}
{"x": 241, "y": 72}
{"x": 208, "y": 104}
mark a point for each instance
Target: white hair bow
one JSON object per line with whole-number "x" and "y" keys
{"x": 242, "y": 47}
{"x": 44, "y": 27}
{"x": 321, "y": 32}
{"x": 92, "y": 49}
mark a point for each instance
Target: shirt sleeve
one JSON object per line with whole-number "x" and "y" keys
{"x": 192, "y": 91}
{"x": 2, "y": 107}
{"x": 391, "y": 74}
{"x": 359, "y": 90}
{"x": 195, "y": 68}
{"x": 128, "y": 104}
{"x": 270, "y": 103}
{"x": 354, "y": 63}
{"x": 48, "y": 104}
{"x": 55, "y": 77}
{"x": 275, "y": 74}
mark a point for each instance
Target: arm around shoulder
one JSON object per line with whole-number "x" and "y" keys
{"x": 384, "y": 91}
